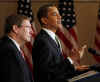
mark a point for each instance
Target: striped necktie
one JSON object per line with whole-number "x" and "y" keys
{"x": 57, "y": 41}
{"x": 58, "y": 44}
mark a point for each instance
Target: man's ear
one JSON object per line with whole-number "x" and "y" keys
{"x": 44, "y": 20}
{"x": 15, "y": 29}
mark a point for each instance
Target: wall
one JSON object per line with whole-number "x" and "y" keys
{"x": 86, "y": 11}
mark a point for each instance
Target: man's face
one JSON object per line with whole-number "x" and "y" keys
{"x": 25, "y": 31}
{"x": 53, "y": 18}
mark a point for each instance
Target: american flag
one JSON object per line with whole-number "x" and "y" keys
{"x": 97, "y": 37}
{"x": 25, "y": 8}
{"x": 68, "y": 33}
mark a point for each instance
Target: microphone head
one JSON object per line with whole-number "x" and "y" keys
{"x": 91, "y": 50}
{"x": 95, "y": 67}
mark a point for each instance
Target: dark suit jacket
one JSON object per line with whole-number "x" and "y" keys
{"x": 49, "y": 64}
{"x": 13, "y": 67}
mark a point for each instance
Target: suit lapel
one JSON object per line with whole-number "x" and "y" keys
{"x": 14, "y": 47}
{"x": 51, "y": 41}
{"x": 22, "y": 63}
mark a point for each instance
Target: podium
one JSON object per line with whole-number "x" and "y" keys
{"x": 90, "y": 76}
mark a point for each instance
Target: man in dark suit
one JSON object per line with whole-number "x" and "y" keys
{"x": 13, "y": 65}
{"x": 49, "y": 64}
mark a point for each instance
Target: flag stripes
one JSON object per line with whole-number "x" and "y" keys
{"x": 68, "y": 33}
{"x": 97, "y": 37}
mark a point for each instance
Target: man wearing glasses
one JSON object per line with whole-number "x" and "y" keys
{"x": 13, "y": 65}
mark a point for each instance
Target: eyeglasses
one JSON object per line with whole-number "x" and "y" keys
{"x": 26, "y": 26}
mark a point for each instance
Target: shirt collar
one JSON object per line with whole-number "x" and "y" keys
{"x": 50, "y": 33}
{"x": 17, "y": 45}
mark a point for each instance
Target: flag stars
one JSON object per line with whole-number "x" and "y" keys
{"x": 73, "y": 10}
{"x": 28, "y": 1}
{"x": 69, "y": 9}
{"x": 22, "y": 5}
{"x": 70, "y": 3}
{"x": 68, "y": 20}
{"x": 26, "y": 12}
{"x": 73, "y": 15}
{"x": 73, "y": 21}
{"x": 30, "y": 13}
{"x": 62, "y": 20}
{"x": 30, "y": 18}
{"x": 67, "y": 26}
{"x": 20, "y": 11}
{"x": 65, "y": 3}
{"x": 27, "y": 6}
{"x": 68, "y": 14}
{"x": 31, "y": 8}
{"x": 64, "y": 9}
{"x": 63, "y": 14}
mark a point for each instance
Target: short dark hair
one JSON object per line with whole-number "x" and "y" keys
{"x": 43, "y": 12}
{"x": 14, "y": 19}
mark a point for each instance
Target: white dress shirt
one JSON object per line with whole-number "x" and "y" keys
{"x": 52, "y": 35}
{"x": 17, "y": 45}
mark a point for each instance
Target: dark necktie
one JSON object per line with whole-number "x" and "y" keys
{"x": 58, "y": 46}
{"x": 57, "y": 41}
{"x": 22, "y": 53}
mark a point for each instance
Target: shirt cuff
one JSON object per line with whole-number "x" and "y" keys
{"x": 70, "y": 60}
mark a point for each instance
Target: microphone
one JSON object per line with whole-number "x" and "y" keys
{"x": 95, "y": 67}
{"x": 93, "y": 51}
